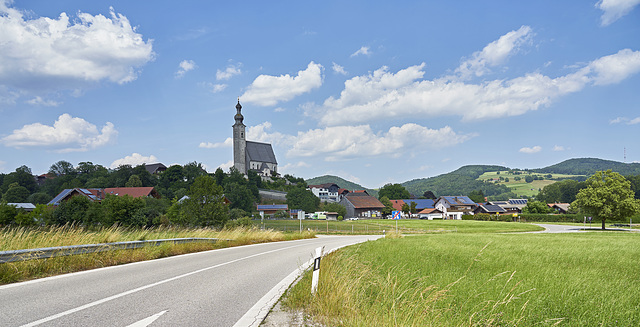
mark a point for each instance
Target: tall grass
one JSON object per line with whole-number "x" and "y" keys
{"x": 586, "y": 279}
{"x": 29, "y": 238}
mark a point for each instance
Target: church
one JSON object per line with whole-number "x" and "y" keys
{"x": 249, "y": 155}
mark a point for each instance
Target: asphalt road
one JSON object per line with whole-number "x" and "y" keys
{"x": 213, "y": 288}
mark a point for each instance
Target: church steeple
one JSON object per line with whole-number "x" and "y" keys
{"x": 239, "y": 142}
{"x": 238, "y": 117}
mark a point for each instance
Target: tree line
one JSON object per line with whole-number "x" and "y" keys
{"x": 189, "y": 195}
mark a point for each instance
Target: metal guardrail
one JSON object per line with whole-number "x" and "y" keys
{"x": 42, "y": 253}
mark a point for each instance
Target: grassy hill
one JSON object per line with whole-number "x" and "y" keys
{"x": 588, "y": 166}
{"x": 341, "y": 182}
{"x": 487, "y": 178}
{"x": 459, "y": 182}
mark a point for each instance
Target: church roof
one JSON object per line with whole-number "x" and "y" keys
{"x": 262, "y": 152}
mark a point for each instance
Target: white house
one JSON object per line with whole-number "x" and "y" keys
{"x": 453, "y": 207}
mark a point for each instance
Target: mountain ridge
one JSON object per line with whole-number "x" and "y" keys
{"x": 463, "y": 180}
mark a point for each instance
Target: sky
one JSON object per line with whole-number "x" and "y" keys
{"x": 375, "y": 92}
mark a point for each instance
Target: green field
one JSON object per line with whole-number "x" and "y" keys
{"x": 477, "y": 279}
{"x": 405, "y": 226}
{"x": 521, "y": 187}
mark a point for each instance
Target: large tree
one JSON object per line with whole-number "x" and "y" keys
{"x": 608, "y": 195}
{"x": 205, "y": 205}
{"x": 394, "y": 192}
{"x": 301, "y": 198}
{"x": 536, "y": 207}
{"x": 335, "y": 207}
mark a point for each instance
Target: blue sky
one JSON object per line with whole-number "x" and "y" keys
{"x": 372, "y": 91}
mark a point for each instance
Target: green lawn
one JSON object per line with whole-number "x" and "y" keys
{"x": 476, "y": 279}
{"x": 405, "y": 226}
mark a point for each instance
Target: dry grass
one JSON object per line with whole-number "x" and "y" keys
{"x": 29, "y": 238}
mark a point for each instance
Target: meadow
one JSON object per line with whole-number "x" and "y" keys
{"x": 17, "y": 238}
{"x": 521, "y": 187}
{"x": 479, "y": 279}
{"x": 405, "y": 226}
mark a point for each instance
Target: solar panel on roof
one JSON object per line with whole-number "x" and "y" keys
{"x": 85, "y": 191}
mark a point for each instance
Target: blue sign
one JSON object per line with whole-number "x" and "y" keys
{"x": 395, "y": 215}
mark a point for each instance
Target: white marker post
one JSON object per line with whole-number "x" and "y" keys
{"x": 316, "y": 270}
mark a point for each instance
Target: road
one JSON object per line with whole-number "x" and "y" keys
{"x": 551, "y": 228}
{"x": 214, "y": 288}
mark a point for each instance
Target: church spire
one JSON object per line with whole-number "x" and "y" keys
{"x": 238, "y": 117}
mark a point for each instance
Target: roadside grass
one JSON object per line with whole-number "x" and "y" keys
{"x": 584, "y": 279}
{"x": 12, "y": 238}
{"x": 405, "y": 226}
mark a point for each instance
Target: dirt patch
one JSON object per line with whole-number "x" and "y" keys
{"x": 279, "y": 316}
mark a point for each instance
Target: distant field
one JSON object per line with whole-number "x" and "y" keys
{"x": 521, "y": 187}
{"x": 405, "y": 226}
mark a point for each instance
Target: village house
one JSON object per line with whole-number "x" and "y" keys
{"x": 453, "y": 207}
{"x": 98, "y": 194}
{"x": 327, "y": 192}
{"x": 360, "y": 204}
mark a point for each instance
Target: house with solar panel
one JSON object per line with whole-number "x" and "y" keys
{"x": 98, "y": 194}
{"x": 453, "y": 207}
{"x": 249, "y": 155}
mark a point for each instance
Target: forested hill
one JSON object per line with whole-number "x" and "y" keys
{"x": 341, "y": 182}
{"x": 588, "y": 166}
{"x": 459, "y": 182}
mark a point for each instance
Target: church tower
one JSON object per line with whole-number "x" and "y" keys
{"x": 239, "y": 142}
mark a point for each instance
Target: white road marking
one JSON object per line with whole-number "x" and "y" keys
{"x": 113, "y": 297}
{"x": 147, "y": 321}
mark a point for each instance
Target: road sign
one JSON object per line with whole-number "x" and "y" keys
{"x": 395, "y": 215}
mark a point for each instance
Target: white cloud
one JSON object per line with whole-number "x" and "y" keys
{"x": 291, "y": 167}
{"x": 45, "y": 54}
{"x": 346, "y": 142}
{"x": 39, "y": 101}
{"x": 208, "y": 145}
{"x": 268, "y": 90}
{"x": 558, "y": 148}
{"x": 215, "y": 88}
{"x": 495, "y": 53}
{"x": 338, "y": 69}
{"x": 362, "y": 51}
{"x": 66, "y": 135}
{"x": 618, "y": 120}
{"x": 534, "y": 149}
{"x": 625, "y": 120}
{"x": 230, "y": 71}
{"x": 184, "y": 67}
{"x": 615, "y": 9}
{"x": 133, "y": 160}
{"x": 226, "y": 166}
{"x": 279, "y": 109}
{"x": 384, "y": 95}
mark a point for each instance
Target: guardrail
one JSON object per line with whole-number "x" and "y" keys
{"x": 42, "y": 253}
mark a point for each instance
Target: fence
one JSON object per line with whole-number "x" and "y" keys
{"x": 42, "y": 253}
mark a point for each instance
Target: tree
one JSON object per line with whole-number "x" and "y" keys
{"x": 124, "y": 210}
{"x": 394, "y": 192}
{"x": 205, "y": 205}
{"x": 528, "y": 178}
{"x": 406, "y": 208}
{"x": 134, "y": 181}
{"x": 16, "y": 194}
{"x": 335, "y": 207}
{"x": 536, "y": 207}
{"x": 303, "y": 199}
{"x": 22, "y": 175}
{"x": 429, "y": 195}
{"x": 608, "y": 195}
{"x": 476, "y": 196}
{"x": 388, "y": 206}
{"x": 61, "y": 168}
{"x": 39, "y": 198}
